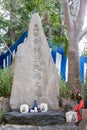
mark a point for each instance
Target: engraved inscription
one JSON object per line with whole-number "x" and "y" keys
{"x": 37, "y": 63}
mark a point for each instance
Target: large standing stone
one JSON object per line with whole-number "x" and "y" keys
{"x": 35, "y": 75}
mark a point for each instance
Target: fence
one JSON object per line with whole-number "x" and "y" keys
{"x": 6, "y": 58}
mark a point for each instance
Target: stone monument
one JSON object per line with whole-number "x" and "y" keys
{"x": 35, "y": 75}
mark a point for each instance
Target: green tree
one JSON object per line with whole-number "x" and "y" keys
{"x": 15, "y": 18}
{"x": 19, "y": 13}
{"x": 74, "y": 27}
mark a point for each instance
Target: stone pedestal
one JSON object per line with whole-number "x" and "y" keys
{"x": 38, "y": 119}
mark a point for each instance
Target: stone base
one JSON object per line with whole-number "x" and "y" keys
{"x": 38, "y": 119}
{"x": 29, "y": 127}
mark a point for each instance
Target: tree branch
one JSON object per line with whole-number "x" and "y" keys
{"x": 80, "y": 18}
{"x": 82, "y": 33}
{"x": 67, "y": 16}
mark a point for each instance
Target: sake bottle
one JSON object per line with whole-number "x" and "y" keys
{"x": 35, "y": 106}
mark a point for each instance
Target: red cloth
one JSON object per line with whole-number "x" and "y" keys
{"x": 77, "y": 108}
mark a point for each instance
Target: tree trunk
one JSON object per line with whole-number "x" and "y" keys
{"x": 73, "y": 61}
{"x": 12, "y": 34}
{"x": 11, "y": 31}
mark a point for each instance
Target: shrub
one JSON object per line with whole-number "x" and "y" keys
{"x": 84, "y": 90}
{"x": 64, "y": 89}
{"x": 6, "y": 79}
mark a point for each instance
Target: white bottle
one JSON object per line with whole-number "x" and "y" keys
{"x": 35, "y": 109}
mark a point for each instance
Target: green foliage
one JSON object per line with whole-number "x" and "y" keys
{"x": 56, "y": 27}
{"x": 6, "y": 79}
{"x": 84, "y": 88}
{"x": 16, "y": 20}
{"x": 30, "y": 5}
{"x": 1, "y": 116}
{"x": 19, "y": 16}
{"x": 64, "y": 89}
{"x": 84, "y": 53}
{"x": 8, "y": 40}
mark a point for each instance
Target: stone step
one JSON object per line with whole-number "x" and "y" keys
{"x": 30, "y": 127}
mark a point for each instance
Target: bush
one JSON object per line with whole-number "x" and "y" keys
{"x": 6, "y": 79}
{"x": 84, "y": 90}
{"x": 64, "y": 89}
